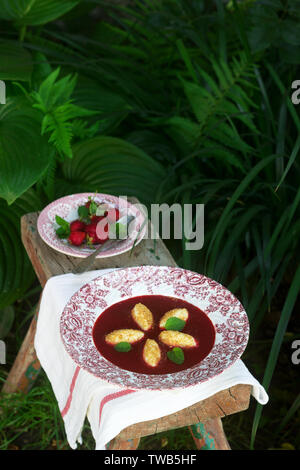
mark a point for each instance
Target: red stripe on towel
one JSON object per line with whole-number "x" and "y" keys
{"x": 69, "y": 400}
{"x": 110, "y": 397}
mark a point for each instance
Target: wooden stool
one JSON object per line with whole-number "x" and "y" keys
{"x": 203, "y": 418}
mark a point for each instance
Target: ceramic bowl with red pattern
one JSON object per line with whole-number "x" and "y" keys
{"x": 216, "y": 321}
{"x": 83, "y": 241}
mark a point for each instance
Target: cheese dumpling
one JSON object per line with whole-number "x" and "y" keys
{"x": 127, "y": 335}
{"x": 142, "y": 316}
{"x": 176, "y": 338}
{"x": 151, "y": 353}
{"x": 181, "y": 313}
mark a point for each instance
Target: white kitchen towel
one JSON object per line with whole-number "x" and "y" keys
{"x": 109, "y": 408}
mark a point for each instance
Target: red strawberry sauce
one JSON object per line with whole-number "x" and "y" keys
{"x": 118, "y": 316}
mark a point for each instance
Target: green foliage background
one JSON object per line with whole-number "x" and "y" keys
{"x": 169, "y": 101}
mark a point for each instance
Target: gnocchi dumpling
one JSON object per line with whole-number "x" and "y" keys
{"x": 126, "y": 335}
{"x": 176, "y": 338}
{"x": 142, "y": 316}
{"x": 151, "y": 353}
{"x": 181, "y": 313}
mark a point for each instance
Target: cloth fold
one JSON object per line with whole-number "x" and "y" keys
{"x": 108, "y": 408}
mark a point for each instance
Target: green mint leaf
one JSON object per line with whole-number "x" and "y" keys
{"x": 83, "y": 212}
{"x": 63, "y": 223}
{"x": 176, "y": 355}
{"x": 175, "y": 324}
{"x": 123, "y": 346}
{"x": 93, "y": 208}
{"x": 62, "y": 232}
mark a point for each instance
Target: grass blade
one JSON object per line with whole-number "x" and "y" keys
{"x": 276, "y": 345}
{"x": 223, "y": 221}
{"x": 290, "y": 162}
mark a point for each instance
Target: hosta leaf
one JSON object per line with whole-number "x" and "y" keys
{"x": 16, "y": 277}
{"x": 153, "y": 143}
{"x": 110, "y": 106}
{"x": 24, "y": 154}
{"x": 35, "y": 12}
{"x": 15, "y": 61}
{"x": 114, "y": 166}
{"x": 266, "y": 26}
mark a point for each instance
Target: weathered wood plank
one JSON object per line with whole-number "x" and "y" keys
{"x": 47, "y": 262}
{"x": 119, "y": 444}
{"x": 209, "y": 435}
{"x": 221, "y": 404}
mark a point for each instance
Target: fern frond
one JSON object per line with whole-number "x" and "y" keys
{"x": 60, "y": 131}
{"x": 83, "y": 130}
{"x": 53, "y": 99}
{"x": 222, "y": 99}
{"x": 224, "y": 96}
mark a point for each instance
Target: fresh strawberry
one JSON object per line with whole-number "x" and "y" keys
{"x": 77, "y": 226}
{"x": 91, "y": 228}
{"x": 96, "y": 233}
{"x": 77, "y": 238}
{"x": 96, "y": 218}
{"x": 91, "y": 233}
{"x": 113, "y": 215}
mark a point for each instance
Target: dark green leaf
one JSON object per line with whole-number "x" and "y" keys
{"x": 291, "y": 32}
{"x": 114, "y": 166}
{"x": 15, "y": 278}
{"x": 7, "y": 315}
{"x": 36, "y": 12}
{"x": 15, "y": 61}
{"x": 123, "y": 346}
{"x": 93, "y": 208}
{"x": 62, "y": 232}
{"x": 176, "y": 355}
{"x": 175, "y": 324}
{"x": 83, "y": 212}
{"x": 24, "y": 154}
{"x": 60, "y": 221}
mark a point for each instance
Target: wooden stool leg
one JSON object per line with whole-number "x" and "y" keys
{"x": 209, "y": 435}
{"x": 26, "y": 367}
{"x": 119, "y": 444}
